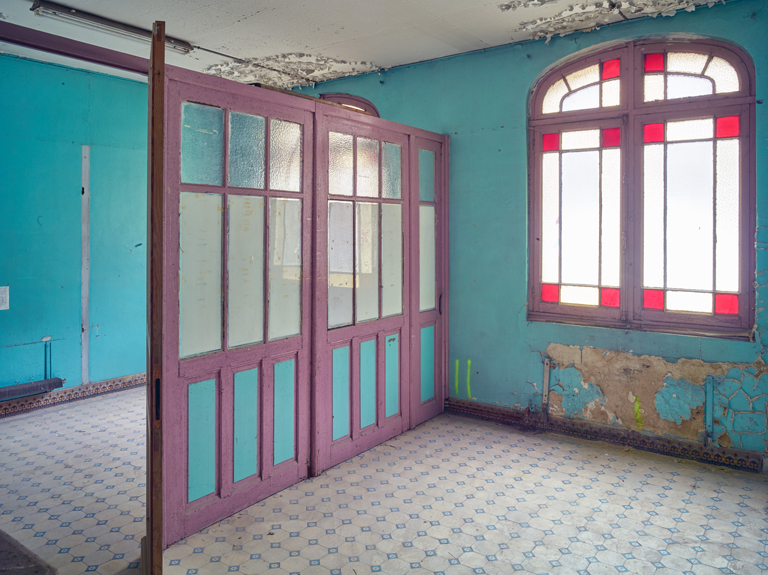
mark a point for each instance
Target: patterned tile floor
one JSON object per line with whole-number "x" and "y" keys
{"x": 453, "y": 496}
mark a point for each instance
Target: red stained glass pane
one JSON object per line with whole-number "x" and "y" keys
{"x": 653, "y": 133}
{"x": 654, "y": 62}
{"x": 551, "y": 142}
{"x": 611, "y": 69}
{"x": 727, "y": 127}
{"x": 727, "y": 303}
{"x": 611, "y": 137}
{"x": 609, "y": 297}
{"x": 653, "y": 299}
{"x": 550, "y": 292}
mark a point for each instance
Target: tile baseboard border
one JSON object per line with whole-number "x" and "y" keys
{"x": 68, "y": 394}
{"x": 681, "y": 448}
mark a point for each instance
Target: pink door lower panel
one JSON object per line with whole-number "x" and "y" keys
{"x": 292, "y": 333}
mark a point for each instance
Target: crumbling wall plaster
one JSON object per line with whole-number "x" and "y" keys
{"x": 649, "y": 394}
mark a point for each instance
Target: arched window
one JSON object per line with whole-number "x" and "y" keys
{"x": 642, "y": 190}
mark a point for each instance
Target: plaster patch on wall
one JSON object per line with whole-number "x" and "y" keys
{"x": 740, "y": 410}
{"x": 675, "y": 400}
{"x": 515, "y": 4}
{"x": 585, "y": 16}
{"x": 289, "y": 70}
{"x": 579, "y": 399}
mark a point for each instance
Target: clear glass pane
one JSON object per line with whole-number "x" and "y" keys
{"x": 689, "y": 301}
{"x": 686, "y": 62}
{"x": 200, "y": 274}
{"x": 367, "y": 168}
{"x": 727, "y": 216}
{"x": 426, "y": 257}
{"x": 340, "y": 262}
{"x": 580, "y": 217}
{"x": 653, "y": 87}
{"x": 583, "y": 77}
{"x": 578, "y": 295}
{"x": 391, "y": 260}
{"x": 551, "y": 103}
{"x": 611, "y": 93}
{"x": 245, "y": 271}
{"x": 687, "y": 86}
{"x": 690, "y": 130}
{"x": 246, "y": 150}
{"x": 202, "y": 144}
{"x": 583, "y": 99}
{"x": 550, "y": 218}
{"x": 340, "y": 164}
{"x": 724, "y": 75}
{"x": 690, "y": 228}
{"x": 367, "y": 262}
{"x": 426, "y": 176}
{"x": 580, "y": 140}
{"x": 610, "y": 225}
{"x": 284, "y": 267}
{"x": 653, "y": 216}
{"x": 285, "y": 156}
{"x": 391, "y": 171}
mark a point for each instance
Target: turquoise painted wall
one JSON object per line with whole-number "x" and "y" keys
{"x": 481, "y": 99}
{"x": 48, "y": 113}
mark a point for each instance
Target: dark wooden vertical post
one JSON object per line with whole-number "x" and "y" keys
{"x": 152, "y": 545}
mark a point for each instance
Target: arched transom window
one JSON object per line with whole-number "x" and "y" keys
{"x": 642, "y": 190}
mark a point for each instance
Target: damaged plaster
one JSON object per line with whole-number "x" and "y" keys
{"x": 587, "y": 16}
{"x": 289, "y": 70}
{"x": 648, "y": 394}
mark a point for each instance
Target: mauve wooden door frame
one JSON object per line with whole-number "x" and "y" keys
{"x": 182, "y": 518}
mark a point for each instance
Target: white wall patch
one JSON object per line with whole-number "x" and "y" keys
{"x": 4, "y": 297}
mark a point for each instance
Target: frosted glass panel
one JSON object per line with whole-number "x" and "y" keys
{"x": 690, "y": 130}
{"x": 367, "y": 262}
{"x": 391, "y": 260}
{"x": 689, "y": 215}
{"x": 686, "y": 62}
{"x": 391, "y": 171}
{"x": 202, "y": 144}
{"x": 687, "y": 86}
{"x": 550, "y": 215}
{"x": 583, "y": 99}
{"x": 246, "y": 150}
{"x": 426, "y": 176}
{"x": 610, "y": 227}
{"x": 340, "y": 262}
{"x": 577, "y": 295}
{"x": 583, "y": 77}
{"x": 689, "y": 301}
{"x": 580, "y": 217}
{"x": 285, "y": 156}
{"x": 367, "y": 168}
{"x": 340, "y": 164}
{"x": 426, "y": 257}
{"x": 611, "y": 93}
{"x": 551, "y": 103}
{"x": 727, "y": 216}
{"x": 200, "y": 274}
{"x": 653, "y": 216}
{"x": 725, "y": 76}
{"x": 284, "y": 267}
{"x": 245, "y": 270}
{"x": 653, "y": 87}
{"x": 581, "y": 140}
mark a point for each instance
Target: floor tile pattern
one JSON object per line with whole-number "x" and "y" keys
{"x": 463, "y": 496}
{"x": 72, "y": 482}
{"x": 454, "y": 496}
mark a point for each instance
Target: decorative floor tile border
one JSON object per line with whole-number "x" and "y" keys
{"x": 67, "y": 394}
{"x": 684, "y": 449}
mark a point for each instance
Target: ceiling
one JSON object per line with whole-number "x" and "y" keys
{"x": 288, "y": 43}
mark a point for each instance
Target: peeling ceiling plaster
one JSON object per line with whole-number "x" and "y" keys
{"x": 301, "y": 42}
{"x": 288, "y": 70}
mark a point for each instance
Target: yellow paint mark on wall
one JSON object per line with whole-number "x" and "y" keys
{"x": 638, "y": 415}
{"x": 469, "y": 390}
